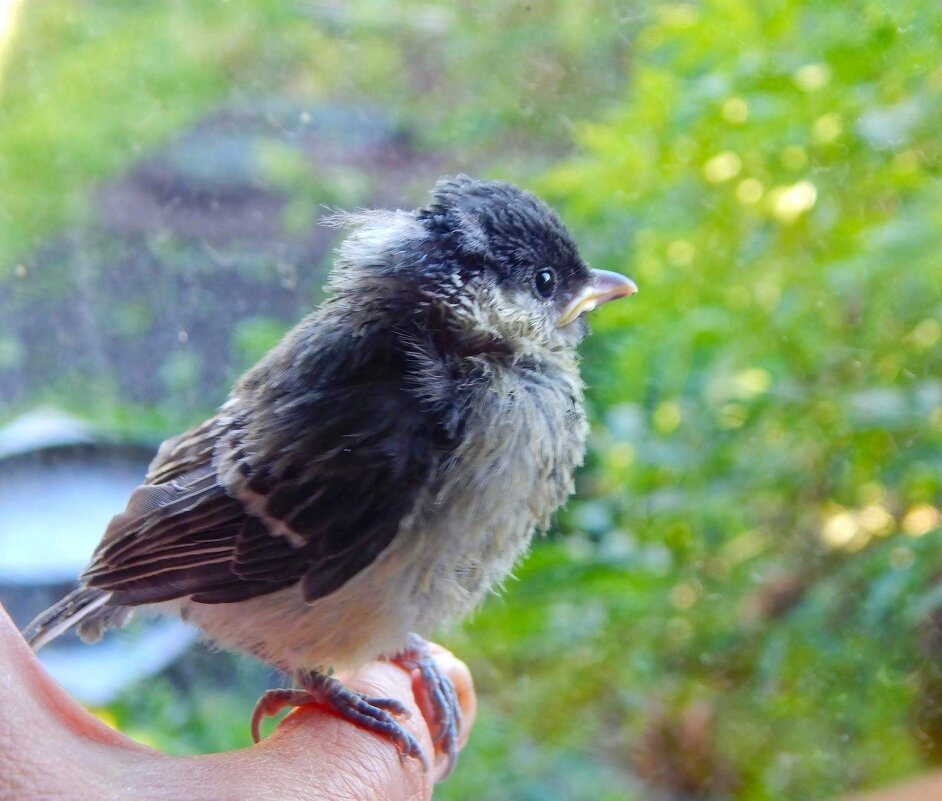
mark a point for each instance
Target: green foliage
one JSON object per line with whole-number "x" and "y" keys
{"x": 741, "y": 601}
{"x": 594, "y": 641}
{"x": 254, "y": 337}
{"x": 75, "y": 111}
{"x": 202, "y": 705}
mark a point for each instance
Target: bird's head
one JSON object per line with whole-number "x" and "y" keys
{"x": 486, "y": 262}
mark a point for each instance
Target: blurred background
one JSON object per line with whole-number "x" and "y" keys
{"x": 745, "y": 599}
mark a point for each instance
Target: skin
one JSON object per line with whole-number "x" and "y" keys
{"x": 927, "y": 787}
{"x": 51, "y": 747}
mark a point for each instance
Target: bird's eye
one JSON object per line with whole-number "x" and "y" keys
{"x": 545, "y": 282}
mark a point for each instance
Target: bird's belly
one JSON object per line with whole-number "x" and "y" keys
{"x": 367, "y": 617}
{"x": 431, "y": 574}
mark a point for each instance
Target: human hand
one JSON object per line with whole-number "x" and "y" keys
{"x": 51, "y": 747}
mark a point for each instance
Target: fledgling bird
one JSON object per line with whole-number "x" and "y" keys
{"x": 381, "y": 468}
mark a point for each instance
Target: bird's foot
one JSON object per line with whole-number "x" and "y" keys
{"x": 374, "y": 714}
{"x": 440, "y": 696}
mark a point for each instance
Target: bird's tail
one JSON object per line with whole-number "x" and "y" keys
{"x": 84, "y": 604}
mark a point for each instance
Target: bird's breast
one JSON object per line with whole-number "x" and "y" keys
{"x": 524, "y": 435}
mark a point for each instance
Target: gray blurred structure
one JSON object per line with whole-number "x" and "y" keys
{"x": 144, "y": 298}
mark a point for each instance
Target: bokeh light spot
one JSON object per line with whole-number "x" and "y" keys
{"x": 812, "y": 77}
{"x": 749, "y": 191}
{"x": 735, "y": 110}
{"x": 722, "y": 167}
{"x": 788, "y": 203}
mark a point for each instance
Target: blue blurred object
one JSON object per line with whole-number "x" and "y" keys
{"x": 60, "y": 484}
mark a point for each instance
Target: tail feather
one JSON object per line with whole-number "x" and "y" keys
{"x": 70, "y": 611}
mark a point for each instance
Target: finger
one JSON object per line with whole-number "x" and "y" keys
{"x": 315, "y": 754}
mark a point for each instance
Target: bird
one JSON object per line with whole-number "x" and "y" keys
{"x": 380, "y": 470}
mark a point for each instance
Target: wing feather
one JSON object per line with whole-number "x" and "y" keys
{"x": 304, "y": 477}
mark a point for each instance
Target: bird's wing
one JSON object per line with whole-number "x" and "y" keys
{"x": 185, "y": 452}
{"x": 168, "y": 540}
{"x": 283, "y": 486}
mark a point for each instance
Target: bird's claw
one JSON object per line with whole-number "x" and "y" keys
{"x": 442, "y": 700}
{"x": 272, "y": 702}
{"x": 374, "y": 714}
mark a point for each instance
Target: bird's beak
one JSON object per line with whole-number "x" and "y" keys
{"x": 603, "y": 287}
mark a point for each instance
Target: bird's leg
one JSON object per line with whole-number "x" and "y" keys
{"x": 375, "y": 714}
{"x": 440, "y": 696}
